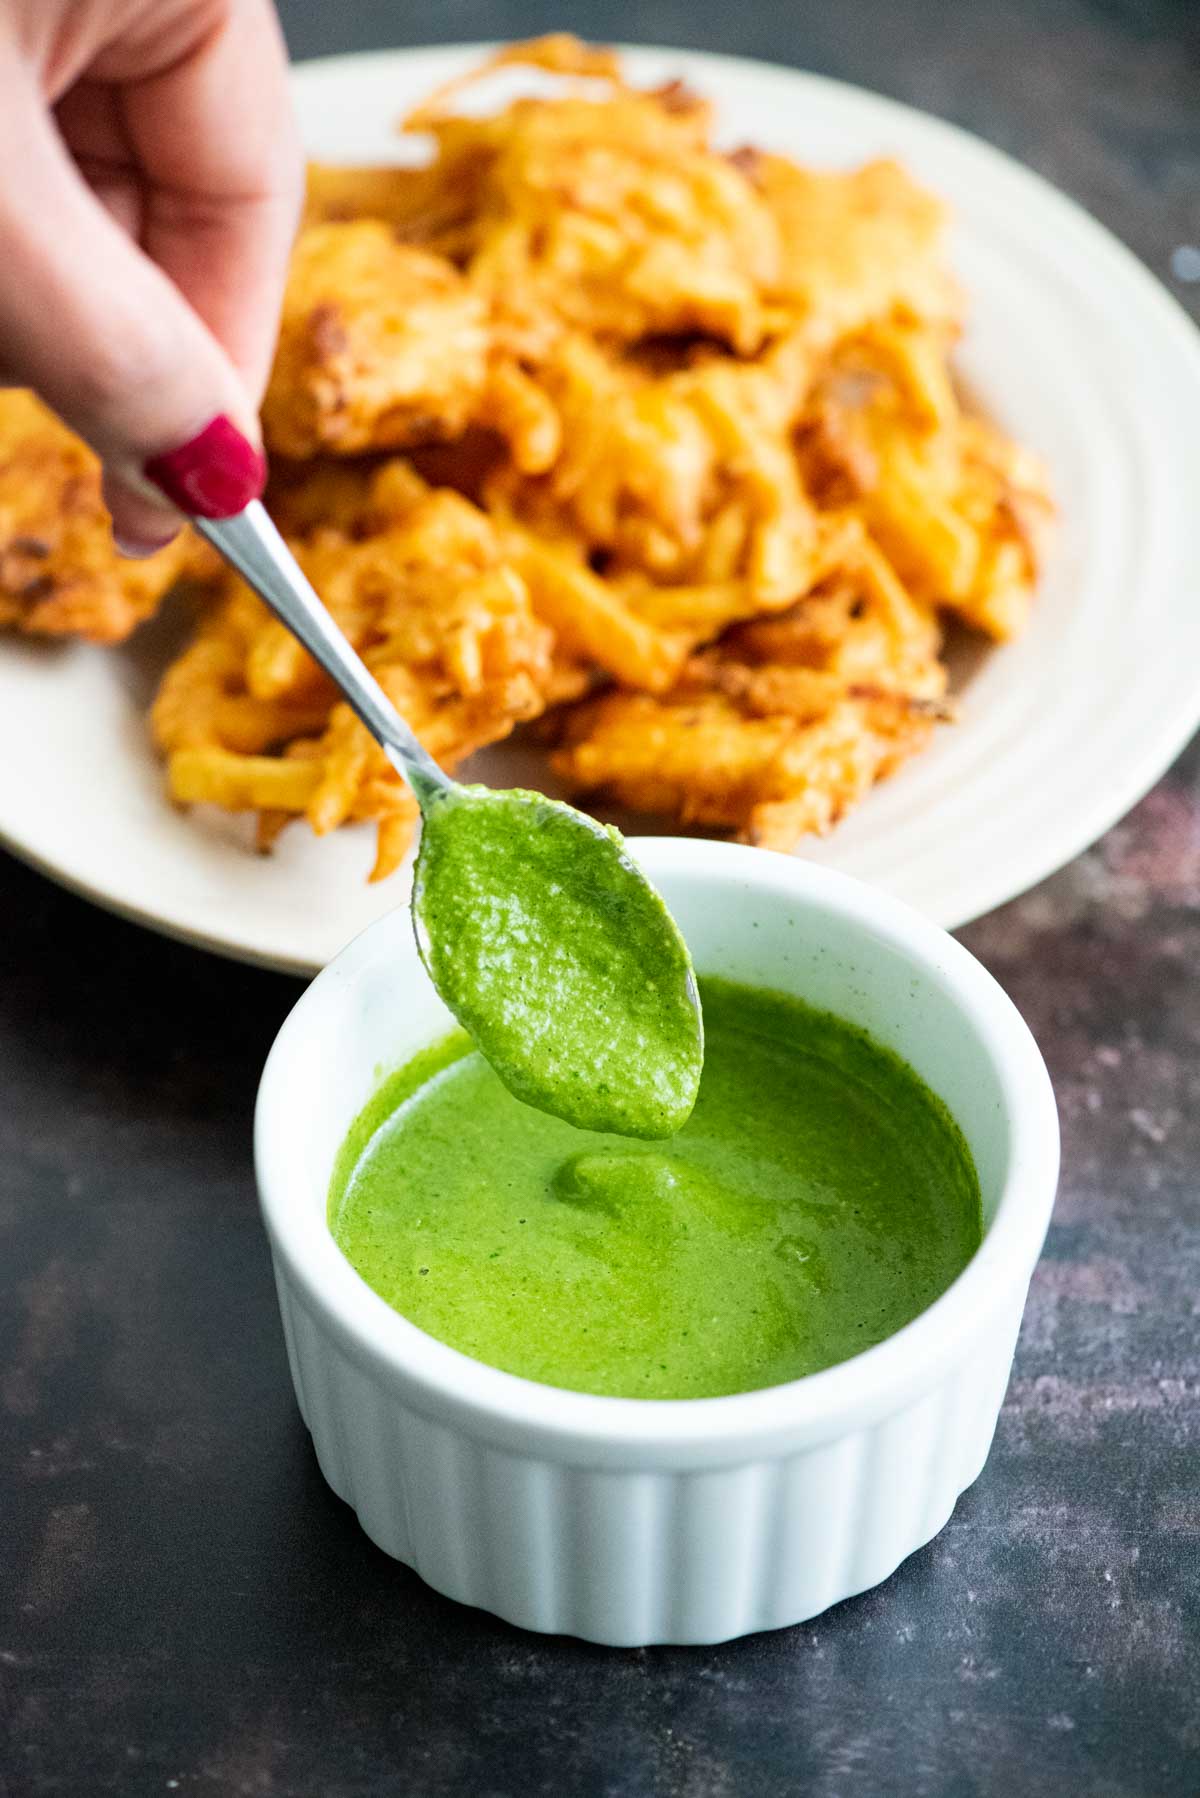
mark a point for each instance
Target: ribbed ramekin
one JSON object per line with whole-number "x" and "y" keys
{"x": 633, "y": 1521}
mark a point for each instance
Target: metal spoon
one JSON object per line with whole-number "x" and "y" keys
{"x": 520, "y": 985}
{"x": 252, "y": 544}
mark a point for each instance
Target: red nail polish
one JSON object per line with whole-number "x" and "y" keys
{"x": 214, "y": 475}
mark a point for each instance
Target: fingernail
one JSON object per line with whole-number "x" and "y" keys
{"x": 214, "y": 475}
{"x": 136, "y": 549}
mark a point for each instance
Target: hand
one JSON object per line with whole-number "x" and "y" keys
{"x": 151, "y": 184}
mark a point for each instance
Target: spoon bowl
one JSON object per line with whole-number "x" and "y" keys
{"x": 553, "y": 949}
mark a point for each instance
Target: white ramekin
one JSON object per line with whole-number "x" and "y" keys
{"x": 632, "y": 1521}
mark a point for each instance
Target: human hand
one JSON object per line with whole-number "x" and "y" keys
{"x": 152, "y": 180}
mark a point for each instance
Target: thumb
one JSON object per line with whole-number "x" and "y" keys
{"x": 109, "y": 342}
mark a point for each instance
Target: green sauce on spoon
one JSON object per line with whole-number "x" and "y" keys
{"x": 553, "y": 949}
{"x": 545, "y": 940}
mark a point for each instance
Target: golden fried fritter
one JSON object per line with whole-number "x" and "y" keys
{"x": 381, "y": 346}
{"x": 707, "y": 758}
{"x": 1003, "y": 494}
{"x": 686, "y": 476}
{"x": 958, "y": 510}
{"x": 859, "y": 626}
{"x": 358, "y": 497}
{"x": 60, "y": 572}
{"x": 855, "y": 248}
{"x": 715, "y": 428}
{"x": 784, "y": 724}
{"x": 611, "y": 214}
{"x": 247, "y": 719}
{"x": 685, "y": 461}
{"x": 611, "y": 217}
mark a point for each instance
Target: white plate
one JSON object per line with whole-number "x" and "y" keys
{"x": 1071, "y": 345}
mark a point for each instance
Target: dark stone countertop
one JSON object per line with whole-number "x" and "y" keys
{"x": 186, "y": 1608}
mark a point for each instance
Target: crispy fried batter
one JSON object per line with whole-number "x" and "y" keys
{"x": 782, "y": 726}
{"x": 60, "y": 573}
{"x": 612, "y": 213}
{"x": 248, "y": 720}
{"x": 687, "y": 475}
{"x": 611, "y": 216}
{"x": 705, "y": 400}
{"x": 685, "y": 461}
{"x": 1003, "y": 494}
{"x": 381, "y": 345}
{"x": 711, "y": 758}
{"x": 357, "y": 498}
{"x": 856, "y": 248}
{"x": 959, "y": 511}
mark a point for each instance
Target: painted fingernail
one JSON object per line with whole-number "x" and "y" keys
{"x": 214, "y": 475}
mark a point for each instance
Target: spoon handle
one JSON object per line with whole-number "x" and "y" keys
{"x": 249, "y": 541}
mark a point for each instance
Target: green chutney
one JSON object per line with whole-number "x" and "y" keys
{"x": 817, "y": 1199}
{"x": 552, "y": 948}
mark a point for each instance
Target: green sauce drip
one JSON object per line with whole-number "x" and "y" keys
{"x": 818, "y": 1198}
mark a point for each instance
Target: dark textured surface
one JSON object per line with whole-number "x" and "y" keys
{"x": 184, "y": 1606}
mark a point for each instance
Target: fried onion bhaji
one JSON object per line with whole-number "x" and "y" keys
{"x": 381, "y": 345}
{"x": 785, "y": 723}
{"x": 855, "y": 248}
{"x": 961, "y": 512}
{"x": 577, "y": 415}
{"x": 688, "y": 475}
{"x": 60, "y": 571}
{"x": 611, "y": 213}
{"x": 420, "y": 587}
{"x": 704, "y": 404}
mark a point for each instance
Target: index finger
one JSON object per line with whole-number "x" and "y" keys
{"x": 220, "y": 154}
